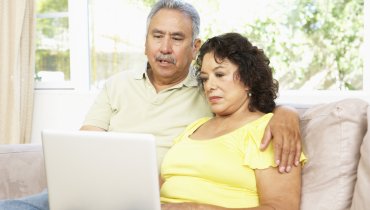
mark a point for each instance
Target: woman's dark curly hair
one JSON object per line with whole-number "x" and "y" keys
{"x": 253, "y": 68}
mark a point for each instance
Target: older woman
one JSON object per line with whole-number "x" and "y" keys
{"x": 216, "y": 162}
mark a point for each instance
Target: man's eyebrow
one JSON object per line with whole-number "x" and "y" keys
{"x": 157, "y": 31}
{"x": 178, "y": 34}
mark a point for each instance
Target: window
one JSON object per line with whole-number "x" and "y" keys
{"x": 117, "y": 37}
{"x": 312, "y": 45}
{"x": 52, "y": 43}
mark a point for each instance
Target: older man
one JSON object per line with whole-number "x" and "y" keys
{"x": 164, "y": 98}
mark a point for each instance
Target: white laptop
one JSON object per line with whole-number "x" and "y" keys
{"x": 89, "y": 170}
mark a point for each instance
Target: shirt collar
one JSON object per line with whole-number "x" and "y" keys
{"x": 189, "y": 81}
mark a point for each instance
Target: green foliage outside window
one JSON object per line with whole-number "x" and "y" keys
{"x": 312, "y": 45}
{"x": 52, "y": 41}
{"x": 317, "y": 42}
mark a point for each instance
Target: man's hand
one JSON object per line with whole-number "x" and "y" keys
{"x": 284, "y": 130}
{"x": 91, "y": 128}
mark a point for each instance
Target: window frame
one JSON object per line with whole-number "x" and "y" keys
{"x": 79, "y": 49}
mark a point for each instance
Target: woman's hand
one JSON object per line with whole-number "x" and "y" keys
{"x": 284, "y": 130}
{"x": 190, "y": 206}
{"x": 179, "y": 206}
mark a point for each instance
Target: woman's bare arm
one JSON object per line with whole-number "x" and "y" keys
{"x": 276, "y": 191}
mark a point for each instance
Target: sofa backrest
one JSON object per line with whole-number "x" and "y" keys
{"x": 333, "y": 140}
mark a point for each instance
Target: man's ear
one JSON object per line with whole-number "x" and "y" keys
{"x": 196, "y": 46}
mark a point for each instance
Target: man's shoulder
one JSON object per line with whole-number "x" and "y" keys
{"x": 121, "y": 81}
{"x": 124, "y": 76}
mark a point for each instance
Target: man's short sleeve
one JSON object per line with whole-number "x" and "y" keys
{"x": 100, "y": 112}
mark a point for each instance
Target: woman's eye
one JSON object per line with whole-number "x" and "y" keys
{"x": 203, "y": 79}
{"x": 219, "y": 75}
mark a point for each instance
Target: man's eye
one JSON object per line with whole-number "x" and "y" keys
{"x": 177, "y": 38}
{"x": 157, "y": 36}
{"x": 219, "y": 75}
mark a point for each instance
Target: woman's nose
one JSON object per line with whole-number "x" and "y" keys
{"x": 209, "y": 84}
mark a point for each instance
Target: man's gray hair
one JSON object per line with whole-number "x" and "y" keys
{"x": 181, "y": 6}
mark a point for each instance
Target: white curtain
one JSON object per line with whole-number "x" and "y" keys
{"x": 17, "y": 61}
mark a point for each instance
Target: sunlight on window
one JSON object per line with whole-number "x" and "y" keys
{"x": 52, "y": 41}
{"x": 117, "y": 36}
{"x": 312, "y": 45}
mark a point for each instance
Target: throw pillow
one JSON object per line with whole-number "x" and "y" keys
{"x": 362, "y": 189}
{"x": 332, "y": 134}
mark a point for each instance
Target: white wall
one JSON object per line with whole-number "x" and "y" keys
{"x": 57, "y": 109}
{"x": 319, "y": 97}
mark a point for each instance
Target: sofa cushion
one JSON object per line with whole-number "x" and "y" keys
{"x": 362, "y": 189}
{"x": 332, "y": 134}
{"x": 21, "y": 170}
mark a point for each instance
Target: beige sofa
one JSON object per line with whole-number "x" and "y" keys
{"x": 335, "y": 139}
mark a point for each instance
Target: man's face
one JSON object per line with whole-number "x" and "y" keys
{"x": 169, "y": 46}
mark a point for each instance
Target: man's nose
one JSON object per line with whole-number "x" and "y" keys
{"x": 166, "y": 47}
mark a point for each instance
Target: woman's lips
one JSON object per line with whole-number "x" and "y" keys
{"x": 214, "y": 99}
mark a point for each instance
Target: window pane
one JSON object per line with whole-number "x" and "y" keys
{"x": 117, "y": 36}
{"x": 312, "y": 45}
{"x": 50, "y": 6}
{"x": 52, "y": 42}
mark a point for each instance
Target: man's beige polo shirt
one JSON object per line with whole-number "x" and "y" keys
{"x": 129, "y": 103}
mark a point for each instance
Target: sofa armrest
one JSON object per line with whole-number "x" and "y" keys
{"x": 22, "y": 170}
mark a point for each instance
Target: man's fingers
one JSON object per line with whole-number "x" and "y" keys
{"x": 298, "y": 153}
{"x": 266, "y": 138}
{"x": 285, "y": 151}
{"x": 288, "y": 152}
{"x": 277, "y": 152}
{"x": 291, "y": 160}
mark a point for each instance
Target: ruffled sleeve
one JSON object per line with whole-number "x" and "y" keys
{"x": 190, "y": 129}
{"x": 255, "y": 158}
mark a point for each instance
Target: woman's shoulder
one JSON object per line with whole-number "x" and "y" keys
{"x": 197, "y": 123}
{"x": 252, "y": 138}
{"x": 252, "y": 132}
{"x": 191, "y": 128}
{"x": 259, "y": 122}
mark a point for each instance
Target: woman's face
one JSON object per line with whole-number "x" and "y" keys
{"x": 225, "y": 92}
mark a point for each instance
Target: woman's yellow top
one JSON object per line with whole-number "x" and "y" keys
{"x": 218, "y": 171}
